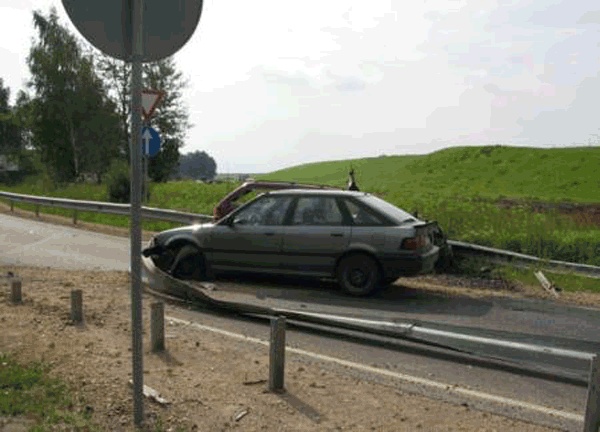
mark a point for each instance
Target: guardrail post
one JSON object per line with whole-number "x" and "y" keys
{"x": 76, "y": 306}
{"x": 157, "y": 327}
{"x": 75, "y": 217}
{"x": 37, "y": 210}
{"x": 12, "y": 206}
{"x": 592, "y": 410}
{"x": 277, "y": 355}
{"x": 15, "y": 291}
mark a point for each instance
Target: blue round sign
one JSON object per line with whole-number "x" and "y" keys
{"x": 150, "y": 142}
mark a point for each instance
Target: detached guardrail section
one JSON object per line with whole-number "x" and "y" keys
{"x": 459, "y": 248}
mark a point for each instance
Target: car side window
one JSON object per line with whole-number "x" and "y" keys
{"x": 267, "y": 211}
{"x": 317, "y": 211}
{"x": 362, "y": 216}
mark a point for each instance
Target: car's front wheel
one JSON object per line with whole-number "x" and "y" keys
{"x": 358, "y": 274}
{"x": 188, "y": 264}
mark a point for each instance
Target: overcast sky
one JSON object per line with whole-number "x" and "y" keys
{"x": 276, "y": 83}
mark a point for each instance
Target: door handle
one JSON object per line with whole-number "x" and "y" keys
{"x": 337, "y": 235}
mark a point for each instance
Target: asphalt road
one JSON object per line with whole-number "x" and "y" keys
{"x": 27, "y": 242}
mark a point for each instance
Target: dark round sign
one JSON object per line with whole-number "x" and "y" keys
{"x": 107, "y": 25}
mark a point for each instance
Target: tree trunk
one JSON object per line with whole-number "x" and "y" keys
{"x": 75, "y": 158}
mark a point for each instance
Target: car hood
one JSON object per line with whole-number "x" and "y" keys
{"x": 188, "y": 229}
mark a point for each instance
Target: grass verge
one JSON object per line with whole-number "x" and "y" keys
{"x": 27, "y": 390}
{"x": 472, "y": 267}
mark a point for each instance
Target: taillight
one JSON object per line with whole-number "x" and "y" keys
{"x": 415, "y": 243}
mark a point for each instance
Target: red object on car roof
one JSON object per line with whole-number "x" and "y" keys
{"x": 227, "y": 204}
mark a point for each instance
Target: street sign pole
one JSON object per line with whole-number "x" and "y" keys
{"x": 136, "y": 213}
{"x": 146, "y": 187}
{"x": 119, "y": 28}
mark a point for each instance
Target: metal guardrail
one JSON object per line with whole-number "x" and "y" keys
{"x": 107, "y": 208}
{"x": 500, "y": 255}
{"x": 458, "y": 247}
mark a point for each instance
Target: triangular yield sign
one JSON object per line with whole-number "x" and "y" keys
{"x": 150, "y": 100}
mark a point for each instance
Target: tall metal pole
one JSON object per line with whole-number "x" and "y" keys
{"x": 136, "y": 214}
{"x": 146, "y": 187}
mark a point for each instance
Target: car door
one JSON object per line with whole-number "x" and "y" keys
{"x": 316, "y": 237}
{"x": 253, "y": 240}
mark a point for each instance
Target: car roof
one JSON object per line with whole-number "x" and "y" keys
{"x": 319, "y": 192}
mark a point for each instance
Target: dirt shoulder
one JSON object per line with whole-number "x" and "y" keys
{"x": 208, "y": 380}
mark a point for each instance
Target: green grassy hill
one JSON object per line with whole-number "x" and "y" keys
{"x": 459, "y": 187}
{"x": 567, "y": 174}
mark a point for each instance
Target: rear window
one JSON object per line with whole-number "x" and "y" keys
{"x": 396, "y": 214}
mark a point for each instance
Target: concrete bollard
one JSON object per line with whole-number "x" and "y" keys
{"x": 157, "y": 327}
{"x": 591, "y": 422}
{"x": 277, "y": 355}
{"x": 15, "y": 291}
{"x": 76, "y": 306}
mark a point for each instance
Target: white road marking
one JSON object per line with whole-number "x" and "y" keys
{"x": 396, "y": 375}
{"x": 412, "y": 328}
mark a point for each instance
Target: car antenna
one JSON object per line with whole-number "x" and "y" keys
{"x": 351, "y": 181}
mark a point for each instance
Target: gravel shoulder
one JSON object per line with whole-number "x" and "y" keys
{"x": 211, "y": 383}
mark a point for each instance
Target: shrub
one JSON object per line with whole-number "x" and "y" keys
{"x": 118, "y": 183}
{"x": 118, "y": 186}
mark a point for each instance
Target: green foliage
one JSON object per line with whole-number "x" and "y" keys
{"x": 26, "y": 389}
{"x": 170, "y": 118}
{"x": 118, "y": 186}
{"x": 72, "y": 123}
{"x": 197, "y": 165}
{"x": 118, "y": 183}
{"x": 10, "y": 133}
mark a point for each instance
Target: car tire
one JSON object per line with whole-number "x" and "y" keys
{"x": 188, "y": 264}
{"x": 358, "y": 275}
{"x": 388, "y": 281}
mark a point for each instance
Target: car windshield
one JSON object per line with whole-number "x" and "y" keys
{"x": 390, "y": 210}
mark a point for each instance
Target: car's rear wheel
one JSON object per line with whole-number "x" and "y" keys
{"x": 188, "y": 264}
{"x": 388, "y": 281}
{"x": 358, "y": 274}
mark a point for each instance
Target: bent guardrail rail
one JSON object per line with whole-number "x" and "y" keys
{"x": 415, "y": 331}
{"x": 458, "y": 247}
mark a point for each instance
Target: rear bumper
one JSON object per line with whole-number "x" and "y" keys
{"x": 408, "y": 264}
